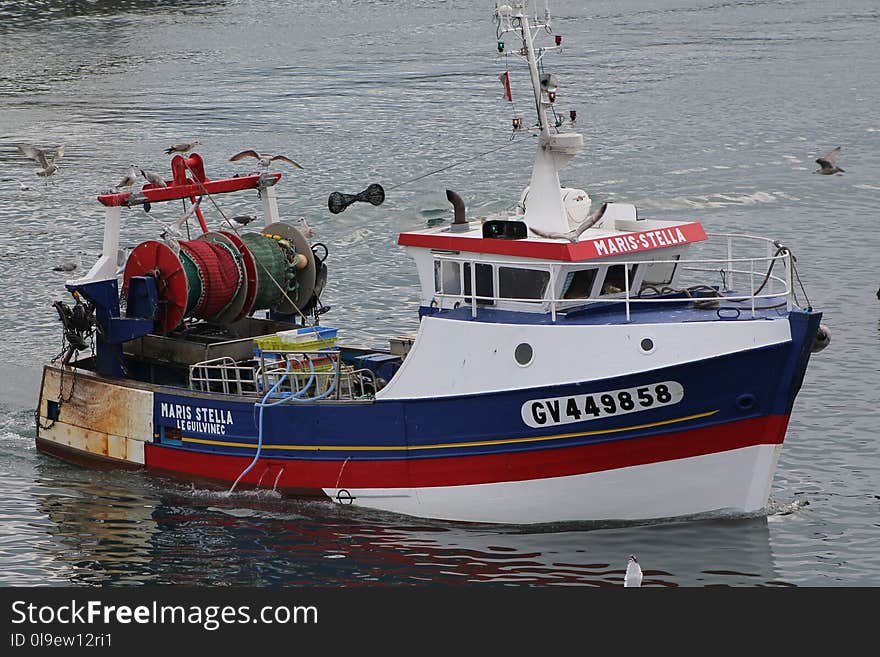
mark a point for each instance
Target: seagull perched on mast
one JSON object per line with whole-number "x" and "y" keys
{"x": 265, "y": 159}
{"x": 183, "y": 147}
{"x": 153, "y": 177}
{"x": 828, "y": 163}
{"x": 130, "y": 177}
{"x": 43, "y": 158}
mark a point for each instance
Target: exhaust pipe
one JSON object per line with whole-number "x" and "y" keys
{"x": 459, "y": 222}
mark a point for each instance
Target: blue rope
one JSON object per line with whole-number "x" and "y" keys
{"x": 265, "y": 404}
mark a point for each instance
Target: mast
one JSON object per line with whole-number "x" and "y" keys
{"x": 544, "y": 209}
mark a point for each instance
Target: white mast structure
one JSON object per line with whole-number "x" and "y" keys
{"x": 544, "y": 209}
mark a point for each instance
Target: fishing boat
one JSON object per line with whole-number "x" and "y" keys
{"x": 571, "y": 363}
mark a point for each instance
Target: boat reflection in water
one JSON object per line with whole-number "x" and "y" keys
{"x": 131, "y": 528}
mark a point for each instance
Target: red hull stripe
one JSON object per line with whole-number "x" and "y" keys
{"x": 463, "y": 470}
{"x": 600, "y": 247}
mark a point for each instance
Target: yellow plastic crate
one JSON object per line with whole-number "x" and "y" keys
{"x": 275, "y": 343}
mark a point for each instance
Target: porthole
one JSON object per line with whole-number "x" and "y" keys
{"x": 746, "y": 402}
{"x": 646, "y": 345}
{"x": 523, "y": 353}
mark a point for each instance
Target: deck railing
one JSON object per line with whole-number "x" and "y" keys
{"x": 767, "y": 275}
{"x": 304, "y": 375}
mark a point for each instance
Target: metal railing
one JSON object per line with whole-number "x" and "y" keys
{"x": 765, "y": 281}
{"x": 303, "y": 374}
{"x": 224, "y": 375}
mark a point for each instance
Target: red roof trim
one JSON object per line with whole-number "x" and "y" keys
{"x": 599, "y": 247}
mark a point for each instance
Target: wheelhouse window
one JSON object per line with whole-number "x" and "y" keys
{"x": 515, "y": 283}
{"x": 485, "y": 284}
{"x": 659, "y": 273}
{"x": 447, "y": 277}
{"x": 579, "y": 284}
{"x": 614, "y": 282}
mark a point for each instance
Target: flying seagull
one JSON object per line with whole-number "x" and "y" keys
{"x": 573, "y": 235}
{"x": 244, "y": 219}
{"x": 828, "y": 163}
{"x": 183, "y": 147}
{"x": 44, "y": 158}
{"x": 264, "y": 158}
{"x": 153, "y": 177}
{"x": 130, "y": 177}
{"x": 633, "y": 575}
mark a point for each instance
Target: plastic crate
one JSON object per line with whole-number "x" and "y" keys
{"x": 305, "y": 339}
{"x": 308, "y": 334}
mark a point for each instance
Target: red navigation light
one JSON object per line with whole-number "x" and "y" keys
{"x": 572, "y": 114}
{"x": 551, "y": 95}
{"x": 558, "y": 39}
{"x": 516, "y": 122}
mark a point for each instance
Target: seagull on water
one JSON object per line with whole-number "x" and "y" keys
{"x": 573, "y": 235}
{"x": 183, "y": 147}
{"x": 265, "y": 159}
{"x": 153, "y": 177}
{"x": 45, "y": 158}
{"x": 69, "y": 265}
{"x": 130, "y": 177}
{"x": 24, "y": 187}
{"x": 828, "y": 163}
{"x": 633, "y": 575}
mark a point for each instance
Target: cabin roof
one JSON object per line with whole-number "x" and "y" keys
{"x": 593, "y": 244}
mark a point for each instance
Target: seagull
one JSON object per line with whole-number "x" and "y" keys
{"x": 175, "y": 228}
{"x": 23, "y": 186}
{"x": 122, "y": 254}
{"x": 42, "y": 157}
{"x": 244, "y": 219}
{"x": 307, "y": 231}
{"x": 183, "y": 147}
{"x": 573, "y": 235}
{"x": 264, "y": 158}
{"x": 828, "y": 163}
{"x": 153, "y": 177}
{"x": 130, "y": 177}
{"x": 69, "y": 265}
{"x": 633, "y": 575}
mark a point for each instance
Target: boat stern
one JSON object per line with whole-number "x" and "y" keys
{"x": 84, "y": 419}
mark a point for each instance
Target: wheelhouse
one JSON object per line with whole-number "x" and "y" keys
{"x": 621, "y": 258}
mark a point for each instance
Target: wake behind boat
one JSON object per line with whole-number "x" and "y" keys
{"x": 571, "y": 363}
